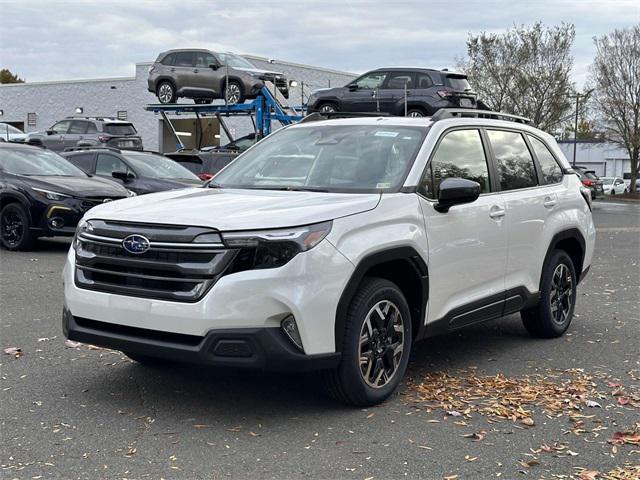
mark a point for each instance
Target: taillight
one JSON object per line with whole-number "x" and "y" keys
{"x": 205, "y": 176}
{"x": 445, "y": 93}
{"x": 587, "y": 183}
{"x": 103, "y": 139}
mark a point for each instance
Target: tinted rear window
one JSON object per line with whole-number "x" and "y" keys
{"x": 120, "y": 129}
{"x": 457, "y": 83}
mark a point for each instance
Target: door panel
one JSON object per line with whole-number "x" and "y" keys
{"x": 204, "y": 75}
{"x": 468, "y": 244}
{"x": 391, "y": 94}
{"x": 55, "y": 141}
{"x": 363, "y": 99}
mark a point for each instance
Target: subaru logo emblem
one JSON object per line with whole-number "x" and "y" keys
{"x": 136, "y": 244}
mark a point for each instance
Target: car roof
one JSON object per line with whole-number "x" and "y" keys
{"x": 19, "y": 146}
{"x": 178, "y": 50}
{"x": 420, "y": 69}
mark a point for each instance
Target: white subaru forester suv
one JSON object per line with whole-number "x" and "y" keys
{"x": 333, "y": 245}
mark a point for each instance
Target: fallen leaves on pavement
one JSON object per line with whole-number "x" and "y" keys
{"x": 13, "y": 351}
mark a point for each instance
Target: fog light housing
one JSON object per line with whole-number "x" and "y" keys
{"x": 56, "y": 222}
{"x": 290, "y": 328}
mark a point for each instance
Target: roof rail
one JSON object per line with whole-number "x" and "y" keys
{"x": 444, "y": 113}
{"x": 317, "y": 116}
{"x": 99, "y": 118}
{"x": 89, "y": 147}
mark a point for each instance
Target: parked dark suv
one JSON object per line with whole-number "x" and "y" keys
{"x": 140, "y": 172}
{"x": 87, "y": 131}
{"x": 202, "y": 76}
{"x": 382, "y": 90}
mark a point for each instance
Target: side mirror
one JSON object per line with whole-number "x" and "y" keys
{"x": 214, "y": 66}
{"x": 352, "y": 87}
{"x": 49, "y": 132}
{"x": 124, "y": 176}
{"x": 455, "y": 191}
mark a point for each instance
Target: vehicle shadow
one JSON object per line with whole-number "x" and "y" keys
{"x": 52, "y": 244}
{"x": 214, "y": 394}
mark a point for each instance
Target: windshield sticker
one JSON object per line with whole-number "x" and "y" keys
{"x": 381, "y": 133}
{"x": 383, "y": 185}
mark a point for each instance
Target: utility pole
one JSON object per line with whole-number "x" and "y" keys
{"x": 575, "y": 131}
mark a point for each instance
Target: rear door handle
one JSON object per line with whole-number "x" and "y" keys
{"x": 549, "y": 202}
{"x": 173, "y": 69}
{"x": 497, "y": 212}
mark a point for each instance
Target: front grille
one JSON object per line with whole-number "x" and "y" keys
{"x": 90, "y": 202}
{"x": 173, "y": 268}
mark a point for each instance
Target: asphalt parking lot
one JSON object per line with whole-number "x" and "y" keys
{"x": 92, "y": 413}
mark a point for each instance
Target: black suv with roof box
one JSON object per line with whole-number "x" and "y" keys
{"x": 382, "y": 90}
{"x": 87, "y": 132}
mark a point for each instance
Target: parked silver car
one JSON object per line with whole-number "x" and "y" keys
{"x": 87, "y": 132}
{"x": 204, "y": 75}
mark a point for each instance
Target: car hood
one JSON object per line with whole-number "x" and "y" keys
{"x": 234, "y": 209}
{"x": 77, "y": 186}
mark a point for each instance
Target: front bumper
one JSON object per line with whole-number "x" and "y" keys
{"x": 256, "y": 348}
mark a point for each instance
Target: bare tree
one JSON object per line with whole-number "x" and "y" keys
{"x": 524, "y": 70}
{"x": 615, "y": 75}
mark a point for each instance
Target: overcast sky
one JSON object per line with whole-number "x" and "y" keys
{"x": 58, "y": 40}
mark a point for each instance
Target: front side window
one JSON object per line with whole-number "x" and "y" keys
{"x": 61, "y": 127}
{"x": 551, "y": 172}
{"x": 204, "y": 60}
{"x": 107, "y": 164}
{"x": 371, "y": 81}
{"x": 460, "y": 154}
{"x": 37, "y": 162}
{"x": 351, "y": 159}
{"x": 513, "y": 160}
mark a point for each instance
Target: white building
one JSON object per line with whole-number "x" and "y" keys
{"x": 36, "y": 106}
{"x": 605, "y": 159}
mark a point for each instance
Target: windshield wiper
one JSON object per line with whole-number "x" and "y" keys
{"x": 306, "y": 189}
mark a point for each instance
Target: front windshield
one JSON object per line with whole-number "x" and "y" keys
{"x": 336, "y": 158}
{"x": 235, "y": 61}
{"x": 157, "y": 166}
{"x": 37, "y": 162}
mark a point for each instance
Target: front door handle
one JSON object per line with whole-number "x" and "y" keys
{"x": 195, "y": 70}
{"x": 497, "y": 212}
{"x": 173, "y": 69}
{"x": 549, "y": 202}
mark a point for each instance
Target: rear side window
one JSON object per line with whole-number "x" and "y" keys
{"x": 551, "y": 172}
{"x": 184, "y": 59}
{"x": 513, "y": 160}
{"x": 397, "y": 80}
{"x": 78, "y": 127}
{"x": 84, "y": 161}
{"x": 423, "y": 80}
{"x": 119, "y": 129}
{"x": 460, "y": 154}
{"x": 91, "y": 127}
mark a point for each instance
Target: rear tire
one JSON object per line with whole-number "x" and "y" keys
{"x": 328, "y": 108}
{"x": 15, "y": 232}
{"x": 375, "y": 347}
{"x": 166, "y": 92}
{"x": 552, "y": 315}
{"x": 416, "y": 113}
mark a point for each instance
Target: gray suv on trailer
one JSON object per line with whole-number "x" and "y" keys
{"x": 204, "y": 75}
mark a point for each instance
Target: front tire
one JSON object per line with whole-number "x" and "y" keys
{"x": 328, "y": 108}
{"x": 15, "y": 227}
{"x": 376, "y": 345}
{"x": 166, "y": 92}
{"x": 416, "y": 113}
{"x": 233, "y": 93}
{"x": 552, "y": 315}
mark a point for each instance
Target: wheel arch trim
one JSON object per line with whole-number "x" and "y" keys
{"x": 568, "y": 234}
{"x": 403, "y": 253}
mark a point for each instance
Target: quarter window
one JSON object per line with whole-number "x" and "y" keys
{"x": 551, "y": 172}
{"x": 513, "y": 160}
{"x": 169, "y": 59}
{"x": 460, "y": 154}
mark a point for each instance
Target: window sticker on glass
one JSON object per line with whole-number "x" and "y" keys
{"x": 381, "y": 133}
{"x": 383, "y": 185}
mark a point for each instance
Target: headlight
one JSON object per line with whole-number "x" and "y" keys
{"x": 49, "y": 195}
{"x": 130, "y": 193}
{"x": 274, "y": 248}
{"x": 84, "y": 226}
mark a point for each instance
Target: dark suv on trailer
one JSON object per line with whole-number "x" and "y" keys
{"x": 383, "y": 90}
{"x": 202, "y": 76}
{"x": 87, "y": 131}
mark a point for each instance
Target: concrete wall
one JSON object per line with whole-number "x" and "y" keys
{"x": 604, "y": 158}
{"x": 52, "y": 101}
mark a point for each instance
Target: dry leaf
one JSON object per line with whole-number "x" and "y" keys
{"x": 591, "y": 403}
{"x": 589, "y": 474}
{"x": 13, "y": 351}
{"x": 528, "y": 421}
{"x": 71, "y": 344}
{"x": 529, "y": 463}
